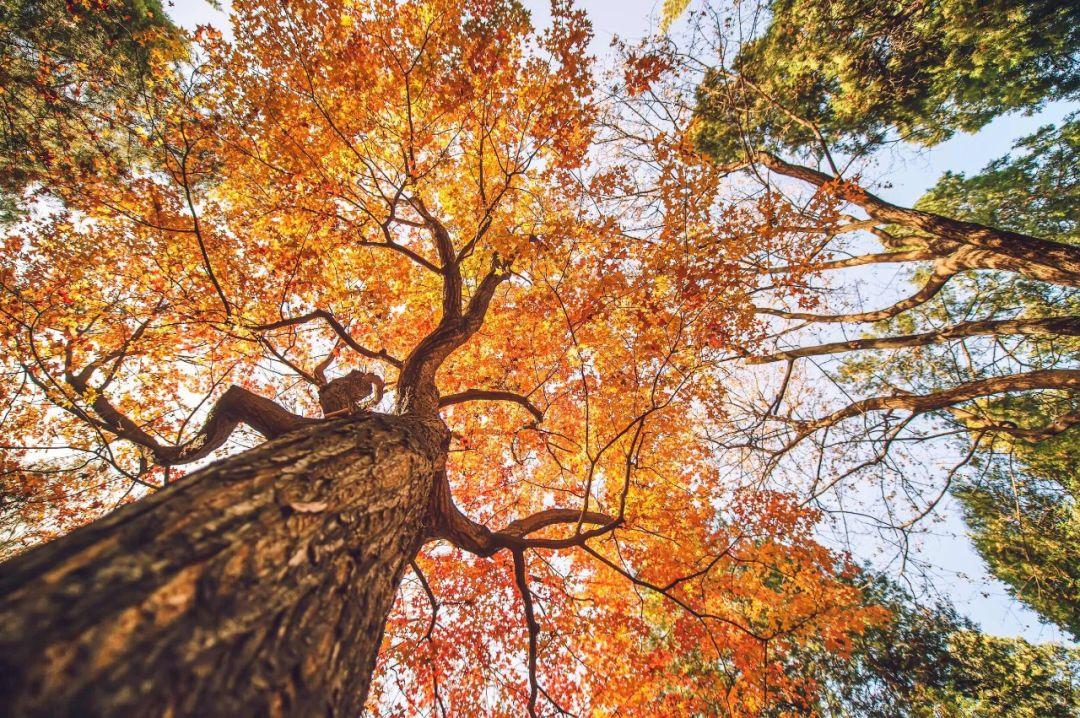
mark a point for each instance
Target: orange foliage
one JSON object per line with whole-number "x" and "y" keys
{"x": 290, "y": 169}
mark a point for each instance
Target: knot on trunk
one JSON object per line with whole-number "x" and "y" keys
{"x": 347, "y": 394}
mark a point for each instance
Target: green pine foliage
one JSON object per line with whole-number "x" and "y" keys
{"x": 1024, "y": 517}
{"x": 929, "y": 662}
{"x": 855, "y": 73}
{"x": 63, "y": 66}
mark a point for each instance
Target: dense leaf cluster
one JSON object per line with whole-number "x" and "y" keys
{"x": 64, "y": 64}
{"x": 851, "y": 74}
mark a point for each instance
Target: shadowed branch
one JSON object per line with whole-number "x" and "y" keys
{"x": 491, "y": 395}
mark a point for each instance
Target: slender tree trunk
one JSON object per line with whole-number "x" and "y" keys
{"x": 257, "y": 586}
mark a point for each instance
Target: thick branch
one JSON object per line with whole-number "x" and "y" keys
{"x": 235, "y": 406}
{"x": 450, "y": 267}
{"x": 350, "y": 393}
{"x": 1043, "y": 259}
{"x": 491, "y": 395}
{"x": 340, "y": 330}
{"x": 1047, "y": 327}
{"x": 1032, "y": 435}
{"x": 924, "y": 403}
{"x": 550, "y": 517}
{"x": 449, "y": 523}
{"x": 417, "y": 392}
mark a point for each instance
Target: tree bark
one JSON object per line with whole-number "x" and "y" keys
{"x": 1041, "y": 327}
{"x": 257, "y": 586}
{"x": 1037, "y": 380}
{"x": 1034, "y": 257}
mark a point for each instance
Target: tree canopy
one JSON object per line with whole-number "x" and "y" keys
{"x": 853, "y": 74}
{"x": 431, "y": 224}
{"x": 63, "y": 65}
{"x": 927, "y": 660}
{"x": 1022, "y": 506}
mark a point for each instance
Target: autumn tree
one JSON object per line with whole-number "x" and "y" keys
{"x": 450, "y": 301}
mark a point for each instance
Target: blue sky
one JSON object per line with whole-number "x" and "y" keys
{"x": 910, "y": 171}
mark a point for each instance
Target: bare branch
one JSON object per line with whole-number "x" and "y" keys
{"x": 912, "y": 255}
{"x": 937, "y": 281}
{"x": 922, "y": 404}
{"x": 1044, "y": 259}
{"x": 1049, "y": 327}
{"x": 340, "y": 330}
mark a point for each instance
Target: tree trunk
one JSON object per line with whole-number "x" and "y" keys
{"x": 257, "y": 586}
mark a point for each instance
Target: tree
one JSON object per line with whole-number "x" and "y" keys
{"x": 899, "y": 668}
{"x": 1022, "y": 512}
{"x": 63, "y": 65}
{"x": 1021, "y": 506}
{"x": 990, "y": 322}
{"x": 476, "y": 303}
{"x": 854, "y": 74}
{"x": 928, "y": 661}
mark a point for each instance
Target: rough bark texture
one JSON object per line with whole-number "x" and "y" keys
{"x": 1034, "y": 257}
{"x": 1042, "y": 379}
{"x": 256, "y": 586}
{"x": 1042, "y": 327}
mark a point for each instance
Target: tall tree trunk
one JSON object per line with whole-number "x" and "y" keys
{"x": 257, "y": 586}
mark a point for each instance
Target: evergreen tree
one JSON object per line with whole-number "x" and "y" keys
{"x": 64, "y": 64}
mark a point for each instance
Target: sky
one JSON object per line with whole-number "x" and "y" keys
{"x": 960, "y": 574}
